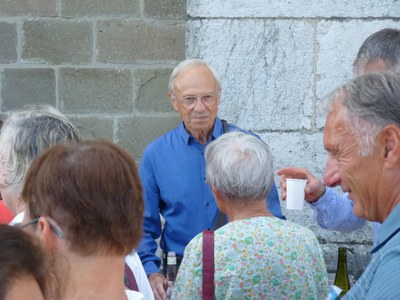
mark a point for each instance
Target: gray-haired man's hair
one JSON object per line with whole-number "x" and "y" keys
{"x": 239, "y": 166}
{"x": 26, "y": 133}
{"x": 188, "y": 64}
{"x": 384, "y": 45}
{"x": 371, "y": 102}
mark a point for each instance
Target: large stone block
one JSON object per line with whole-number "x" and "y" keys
{"x": 28, "y": 7}
{"x": 152, "y": 90}
{"x": 135, "y": 133}
{"x": 8, "y": 45}
{"x": 100, "y": 7}
{"x": 297, "y": 149}
{"x": 297, "y": 9}
{"x": 338, "y": 47}
{"x": 266, "y": 68}
{"x": 27, "y": 86}
{"x": 173, "y": 9}
{"x": 95, "y": 90}
{"x": 139, "y": 40}
{"x": 338, "y": 44}
{"x": 57, "y": 41}
{"x": 94, "y": 127}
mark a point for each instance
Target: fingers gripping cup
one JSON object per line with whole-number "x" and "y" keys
{"x": 295, "y": 193}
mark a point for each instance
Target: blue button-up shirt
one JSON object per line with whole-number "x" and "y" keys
{"x": 173, "y": 176}
{"x": 381, "y": 279}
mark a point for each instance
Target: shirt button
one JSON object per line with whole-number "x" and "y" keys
{"x": 207, "y": 204}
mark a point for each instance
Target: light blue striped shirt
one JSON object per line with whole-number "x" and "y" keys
{"x": 381, "y": 279}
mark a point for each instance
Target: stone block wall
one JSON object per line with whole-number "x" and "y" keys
{"x": 105, "y": 64}
{"x": 276, "y": 59}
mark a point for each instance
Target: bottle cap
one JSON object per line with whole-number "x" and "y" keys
{"x": 171, "y": 259}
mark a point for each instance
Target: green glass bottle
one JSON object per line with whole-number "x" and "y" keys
{"x": 342, "y": 276}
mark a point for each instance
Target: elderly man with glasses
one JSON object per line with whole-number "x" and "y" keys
{"x": 173, "y": 170}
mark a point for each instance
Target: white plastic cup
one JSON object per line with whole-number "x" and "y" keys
{"x": 295, "y": 193}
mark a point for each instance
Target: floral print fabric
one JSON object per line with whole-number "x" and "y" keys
{"x": 257, "y": 258}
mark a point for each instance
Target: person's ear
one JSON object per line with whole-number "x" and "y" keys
{"x": 218, "y": 199}
{"x": 391, "y": 141}
{"x": 47, "y": 237}
{"x": 173, "y": 100}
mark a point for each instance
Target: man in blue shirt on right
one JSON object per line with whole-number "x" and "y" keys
{"x": 380, "y": 51}
{"x": 362, "y": 138}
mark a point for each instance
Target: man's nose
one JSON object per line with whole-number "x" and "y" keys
{"x": 199, "y": 105}
{"x": 331, "y": 175}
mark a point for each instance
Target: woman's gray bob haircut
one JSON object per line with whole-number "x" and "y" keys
{"x": 239, "y": 166}
{"x": 371, "y": 102}
{"x": 188, "y": 63}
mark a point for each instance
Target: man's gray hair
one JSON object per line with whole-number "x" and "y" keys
{"x": 239, "y": 166}
{"x": 384, "y": 45}
{"x": 371, "y": 102}
{"x": 26, "y": 133}
{"x": 188, "y": 64}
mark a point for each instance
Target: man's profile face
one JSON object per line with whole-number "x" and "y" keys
{"x": 358, "y": 175}
{"x": 196, "y": 81}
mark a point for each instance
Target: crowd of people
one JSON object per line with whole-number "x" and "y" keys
{"x": 86, "y": 223}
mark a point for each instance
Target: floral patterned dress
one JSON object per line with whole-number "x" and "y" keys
{"x": 257, "y": 258}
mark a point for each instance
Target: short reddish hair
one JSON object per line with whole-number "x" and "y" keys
{"x": 92, "y": 190}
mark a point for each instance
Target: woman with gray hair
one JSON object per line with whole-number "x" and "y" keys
{"x": 257, "y": 256}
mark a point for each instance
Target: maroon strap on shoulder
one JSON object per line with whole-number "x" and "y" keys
{"x": 130, "y": 280}
{"x": 208, "y": 265}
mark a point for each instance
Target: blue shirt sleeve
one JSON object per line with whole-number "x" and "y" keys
{"x": 335, "y": 212}
{"x": 152, "y": 221}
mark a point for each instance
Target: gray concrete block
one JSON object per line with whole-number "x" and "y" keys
{"x": 8, "y": 45}
{"x": 266, "y": 68}
{"x": 57, "y": 41}
{"x": 338, "y": 47}
{"x": 288, "y": 8}
{"x": 95, "y": 90}
{"x": 173, "y": 9}
{"x": 100, "y": 7}
{"x": 138, "y": 40}
{"x": 135, "y": 133}
{"x": 44, "y": 8}
{"x": 94, "y": 127}
{"x": 297, "y": 149}
{"x": 27, "y": 86}
{"x": 152, "y": 90}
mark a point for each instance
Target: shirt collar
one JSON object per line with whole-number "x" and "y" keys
{"x": 217, "y": 131}
{"x": 389, "y": 227}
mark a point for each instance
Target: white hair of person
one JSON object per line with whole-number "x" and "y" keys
{"x": 371, "y": 102}
{"x": 239, "y": 166}
{"x": 383, "y": 44}
{"x": 189, "y": 63}
{"x": 28, "y": 131}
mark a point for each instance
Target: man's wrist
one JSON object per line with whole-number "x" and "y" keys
{"x": 320, "y": 196}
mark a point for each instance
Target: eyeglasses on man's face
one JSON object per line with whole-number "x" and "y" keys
{"x": 191, "y": 100}
{"x": 36, "y": 220}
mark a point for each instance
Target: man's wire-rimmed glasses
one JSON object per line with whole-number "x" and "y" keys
{"x": 36, "y": 220}
{"x": 191, "y": 100}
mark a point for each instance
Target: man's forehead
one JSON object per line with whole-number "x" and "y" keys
{"x": 336, "y": 125}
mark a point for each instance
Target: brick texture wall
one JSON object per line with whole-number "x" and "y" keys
{"x": 105, "y": 64}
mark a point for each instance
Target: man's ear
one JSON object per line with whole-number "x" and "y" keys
{"x": 47, "y": 237}
{"x": 391, "y": 141}
{"x": 173, "y": 100}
